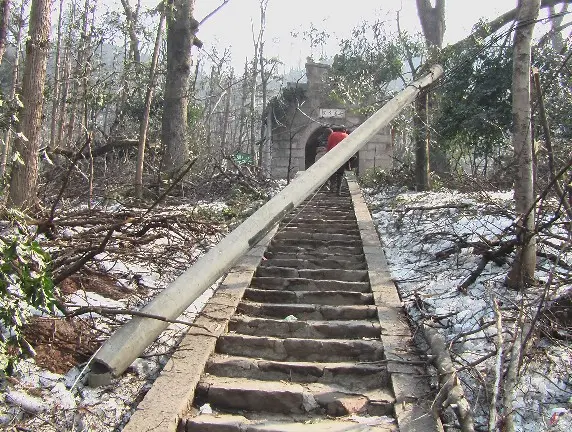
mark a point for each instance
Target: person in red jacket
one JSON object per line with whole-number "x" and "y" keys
{"x": 337, "y": 136}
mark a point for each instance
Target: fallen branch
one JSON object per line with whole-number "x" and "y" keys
{"x": 504, "y": 249}
{"x": 450, "y": 393}
{"x": 497, "y": 369}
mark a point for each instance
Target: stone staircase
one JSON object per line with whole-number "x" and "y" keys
{"x": 303, "y": 351}
{"x": 311, "y": 337}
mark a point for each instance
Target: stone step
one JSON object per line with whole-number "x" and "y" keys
{"x": 290, "y": 398}
{"x": 302, "y": 284}
{"x": 313, "y": 274}
{"x": 315, "y": 249}
{"x": 286, "y": 423}
{"x": 352, "y": 376}
{"x": 308, "y": 311}
{"x": 327, "y": 219}
{"x": 313, "y": 264}
{"x": 305, "y": 329}
{"x": 317, "y": 223}
{"x": 326, "y": 208}
{"x": 316, "y": 257}
{"x": 326, "y": 229}
{"x": 295, "y": 349}
{"x": 309, "y": 297}
{"x": 320, "y": 236}
{"x": 316, "y": 244}
{"x": 323, "y": 212}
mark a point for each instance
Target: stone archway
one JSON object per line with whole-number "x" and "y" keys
{"x": 316, "y": 139}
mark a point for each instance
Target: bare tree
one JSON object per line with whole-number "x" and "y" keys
{"x": 12, "y": 93}
{"x": 57, "y": 83}
{"x": 556, "y": 19}
{"x": 79, "y": 80}
{"x": 522, "y": 271}
{"x": 24, "y": 178}
{"x": 242, "y": 114}
{"x": 181, "y": 28}
{"x": 433, "y": 23}
{"x": 132, "y": 16}
{"x": 4, "y": 14}
{"x": 226, "y": 113}
{"x": 148, "y": 99}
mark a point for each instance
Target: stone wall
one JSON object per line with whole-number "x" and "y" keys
{"x": 298, "y": 130}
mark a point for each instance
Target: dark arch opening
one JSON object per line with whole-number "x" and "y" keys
{"x": 318, "y": 137}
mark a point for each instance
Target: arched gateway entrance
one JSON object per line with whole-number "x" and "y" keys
{"x": 300, "y": 117}
{"x": 316, "y": 147}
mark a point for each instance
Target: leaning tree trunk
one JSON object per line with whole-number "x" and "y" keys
{"x": 24, "y": 179}
{"x": 522, "y": 271}
{"x": 180, "y": 36}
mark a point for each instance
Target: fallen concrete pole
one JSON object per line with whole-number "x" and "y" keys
{"x": 130, "y": 340}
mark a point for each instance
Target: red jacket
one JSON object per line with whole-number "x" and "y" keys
{"x": 335, "y": 138}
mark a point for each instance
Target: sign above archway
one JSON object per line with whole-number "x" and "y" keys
{"x": 332, "y": 112}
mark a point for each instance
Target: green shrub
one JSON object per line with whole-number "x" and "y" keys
{"x": 25, "y": 283}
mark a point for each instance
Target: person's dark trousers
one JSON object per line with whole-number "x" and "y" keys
{"x": 336, "y": 180}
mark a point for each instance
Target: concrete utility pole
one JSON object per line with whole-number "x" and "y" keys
{"x": 129, "y": 341}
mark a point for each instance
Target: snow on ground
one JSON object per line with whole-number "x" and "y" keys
{"x": 414, "y": 227}
{"x": 40, "y": 400}
{"x": 35, "y": 399}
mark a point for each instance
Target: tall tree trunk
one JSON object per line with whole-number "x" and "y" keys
{"x": 87, "y": 72}
{"x": 24, "y": 179}
{"x": 226, "y": 114}
{"x": 148, "y": 99}
{"x": 180, "y": 36}
{"x": 432, "y": 21}
{"x": 78, "y": 74}
{"x": 131, "y": 18}
{"x": 4, "y": 16}
{"x": 555, "y": 23}
{"x": 253, "y": 121}
{"x": 242, "y": 113}
{"x": 433, "y": 24}
{"x": 263, "y": 77}
{"x": 64, "y": 95}
{"x": 421, "y": 134}
{"x": 210, "y": 105}
{"x": 57, "y": 83}
{"x": 15, "y": 78}
{"x": 522, "y": 270}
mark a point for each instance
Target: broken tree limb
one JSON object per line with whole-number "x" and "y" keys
{"x": 488, "y": 255}
{"x": 498, "y": 367}
{"x": 111, "y": 145}
{"x": 548, "y": 141}
{"x": 450, "y": 392}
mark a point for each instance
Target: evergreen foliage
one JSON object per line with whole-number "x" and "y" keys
{"x": 26, "y": 286}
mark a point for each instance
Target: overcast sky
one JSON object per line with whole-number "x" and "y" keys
{"x": 232, "y": 25}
